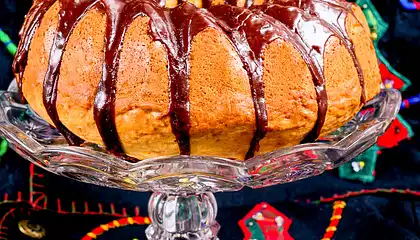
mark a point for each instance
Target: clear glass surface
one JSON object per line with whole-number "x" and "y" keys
{"x": 178, "y": 178}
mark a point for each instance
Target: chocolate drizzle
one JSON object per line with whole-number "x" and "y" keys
{"x": 244, "y": 28}
{"x": 312, "y": 53}
{"x": 307, "y": 18}
{"x": 185, "y": 22}
{"x": 230, "y": 2}
{"x": 117, "y": 21}
{"x": 334, "y": 14}
{"x": 27, "y": 32}
{"x": 207, "y": 3}
{"x": 306, "y": 24}
{"x": 174, "y": 28}
{"x": 69, "y": 15}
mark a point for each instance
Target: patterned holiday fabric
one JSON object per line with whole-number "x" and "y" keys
{"x": 265, "y": 222}
{"x": 362, "y": 168}
{"x": 410, "y": 4}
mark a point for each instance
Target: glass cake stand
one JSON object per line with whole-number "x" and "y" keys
{"x": 183, "y": 205}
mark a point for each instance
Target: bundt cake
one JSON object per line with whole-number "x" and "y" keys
{"x": 226, "y": 78}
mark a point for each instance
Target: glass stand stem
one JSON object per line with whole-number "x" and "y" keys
{"x": 182, "y": 216}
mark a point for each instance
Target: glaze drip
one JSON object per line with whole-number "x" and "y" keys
{"x": 230, "y": 2}
{"x": 249, "y": 29}
{"x": 250, "y": 32}
{"x": 69, "y": 15}
{"x": 306, "y": 18}
{"x": 207, "y": 3}
{"x": 185, "y": 22}
{"x": 314, "y": 36}
{"x": 118, "y": 19}
{"x": 332, "y": 14}
{"x": 26, "y": 33}
{"x": 174, "y": 28}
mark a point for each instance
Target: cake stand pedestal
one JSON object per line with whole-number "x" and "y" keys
{"x": 183, "y": 205}
{"x": 182, "y": 216}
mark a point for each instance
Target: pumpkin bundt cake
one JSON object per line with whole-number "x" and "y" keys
{"x": 226, "y": 78}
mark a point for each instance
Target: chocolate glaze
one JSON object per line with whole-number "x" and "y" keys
{"x": 244, "y": 29}
{"x": 301, "y": 15}
{"x": 333, "y": 14}
{"x": 174, "y": 28}
{"x": 185, "y": 22}
{"x": 291, "y": 20}
{"x": 207, "y": 3}
{"x": 231, "y": 2}
{"x": 315, "y": 36}
{"x": 117, "y": 20}
{"x": 69, "y": 15}
{"x": 27, "y": 32}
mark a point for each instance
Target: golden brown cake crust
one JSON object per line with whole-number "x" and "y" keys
{"x": 222, "y": 114}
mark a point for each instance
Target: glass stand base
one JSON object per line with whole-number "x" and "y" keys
{"x": 182, "y": 217}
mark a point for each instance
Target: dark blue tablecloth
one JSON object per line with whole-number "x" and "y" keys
{"x": 74, "y": 208}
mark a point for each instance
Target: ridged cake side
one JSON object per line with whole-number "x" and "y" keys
{"x": 222, "y": 113}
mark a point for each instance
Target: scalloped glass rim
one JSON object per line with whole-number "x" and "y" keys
{"x": 37, "y": 141}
